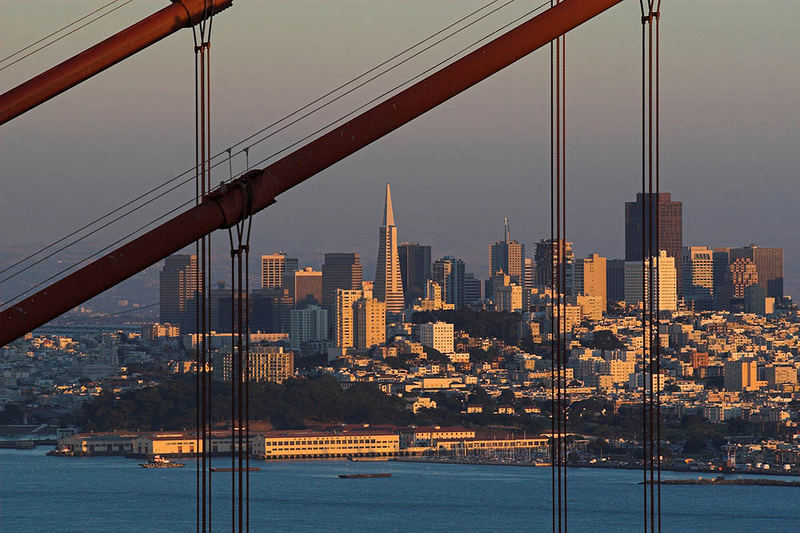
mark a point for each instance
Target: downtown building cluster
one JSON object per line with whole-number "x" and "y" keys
{"x": 429, "y": 331}
{"x": 335, "y": 310}
{"x": 730, "y": 337}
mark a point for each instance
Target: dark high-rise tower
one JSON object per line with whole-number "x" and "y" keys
{"x": 547, "y": 258}
{"x": 615, "y": 280}
{"x": 723, "y": 283}
{"x": 305, "y": 287}
{"x": 769, "y": 264}
{"x": 670, "y": 227}
{"x": 177, "y": 285}
{"x": 744, "y": 273}
{"x": 415, "y": 269}
{"x": 448, "y": 272}
{"x": 339, "y": 271}
{"x": 472, "y": 289}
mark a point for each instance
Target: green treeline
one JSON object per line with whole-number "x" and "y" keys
{"x": 502, "y": 325}
{"x": 172, "y": 405}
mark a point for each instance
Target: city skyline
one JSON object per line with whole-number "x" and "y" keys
{"x": 220, "y": 301}
{"x": 298, "y": 299}
{"x": 739, "y": 250}
{"x": 720, "y": 163}
{"x": 269, "y": 264}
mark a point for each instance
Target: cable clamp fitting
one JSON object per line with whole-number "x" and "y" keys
{"x": 653, "y": 15}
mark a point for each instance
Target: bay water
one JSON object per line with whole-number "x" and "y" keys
{"x": 113, "y": 494}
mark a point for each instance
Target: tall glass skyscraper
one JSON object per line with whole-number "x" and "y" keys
{"x": 178, "y": 285}
{"x": 448, "y": 272}
{"x": 415, "y": 269}
{"x": 670, "y": 227}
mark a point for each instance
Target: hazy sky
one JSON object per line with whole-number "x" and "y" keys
{"x": 730, "y": 126}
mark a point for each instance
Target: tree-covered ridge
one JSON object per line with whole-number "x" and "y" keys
{"x": 501, "y": 325}
{"x": 293, "y": 405}
{"x": 172, "y": 405}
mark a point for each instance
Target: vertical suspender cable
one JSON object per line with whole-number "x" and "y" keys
{"x": 202, "y": 272}
{"x": 233, "y": 364}
{"x": 651, "y": 254}
{"x": 553, "y": 452}
{"x": 651, "y": 259}
{"x": 205, "y": 111}
{"x": 658, "y": 265}
{"x": 562, "y": 258}
{"x": 201, "y": 416}
{"x": 200, "y": 412}
{"x": 247, "y": 358}
{"x": 645, "y": 271}
{"x": 554, "y": 250}
{"x": 560, "y": 278}
{"x": 232, "y": 374}
{"x": 649, "y": 287}
{"x": 233, "y": 359}
{"x": 239, "y": 379}
{"x": 558, "y": 281}
{"x": 559, "y": 295}
{"x": 240, "y": 368}
{"x": 205, "y": 273}
{"x": 209, "y": 19}
{"x": 205, "y": 269}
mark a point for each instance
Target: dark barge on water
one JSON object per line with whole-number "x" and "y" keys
{"x": 362, "y": 476}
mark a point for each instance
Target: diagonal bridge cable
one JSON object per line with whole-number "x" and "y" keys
{"x": 191, "y": 171}
{"x": 285, "y": 148}
{"x": 98, "y": 252}
{"x": 401, "y": 85}
{"x": 59, "y": 30}
{"x": 111, "y": 315}
{"x": 59, "y": 38}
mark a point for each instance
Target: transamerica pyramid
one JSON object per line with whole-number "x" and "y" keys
{"x": 388, "y": 283}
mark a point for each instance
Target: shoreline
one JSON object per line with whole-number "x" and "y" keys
{"x": 479, "y": 462}
{"x": 748, "y": 482}
{"x": 459, "y": 460}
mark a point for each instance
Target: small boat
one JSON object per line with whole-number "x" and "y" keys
{"x": 60, "y": 452}
{"x": 362, "y": 476}
{"x": 229, "y": 469}
{"x": 161, "y": 462}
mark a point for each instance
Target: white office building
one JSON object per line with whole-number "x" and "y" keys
{"x": 307, "y": 325}
{"x": 437, "y": 335}
{"x": 666, "y": 285}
